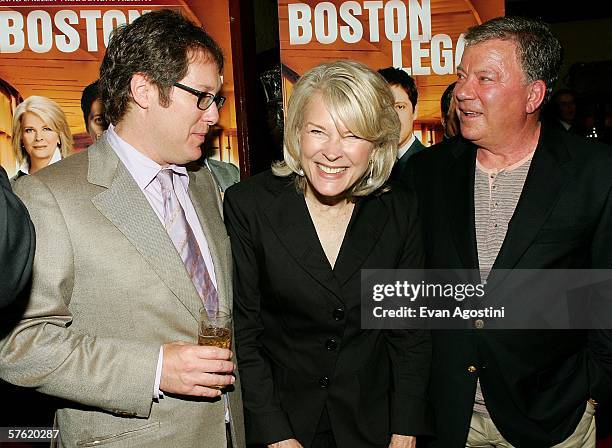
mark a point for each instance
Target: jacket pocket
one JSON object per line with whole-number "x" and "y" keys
{"x": 123, "y": 438}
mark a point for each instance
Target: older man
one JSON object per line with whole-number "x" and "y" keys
{"x": 130, "y": 246}
{"x": 512, "y": 194}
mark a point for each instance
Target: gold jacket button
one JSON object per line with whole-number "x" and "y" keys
{"x": 479, "y": 323}
{"x": 472, "y": 369}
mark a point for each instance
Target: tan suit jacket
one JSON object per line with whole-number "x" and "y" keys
{"x": 108, "y": 290}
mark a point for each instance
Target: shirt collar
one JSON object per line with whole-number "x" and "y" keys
{"x": 407, "y": 145}
{"x": 141, "y": 167}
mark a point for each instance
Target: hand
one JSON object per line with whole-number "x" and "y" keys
{"x": 398, "y": 441}
{"x": 289, "y": 443}
{"x": 189, "y": 369}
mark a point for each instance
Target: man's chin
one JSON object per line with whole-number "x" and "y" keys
{"x": 194, "y": 153}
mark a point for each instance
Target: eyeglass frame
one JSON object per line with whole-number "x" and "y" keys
{"x": 217, "y": 99}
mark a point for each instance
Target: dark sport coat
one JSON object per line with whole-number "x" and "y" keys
{"x": 535, "y": 383}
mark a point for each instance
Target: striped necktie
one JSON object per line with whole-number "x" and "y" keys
{"x": 185, "y": 243}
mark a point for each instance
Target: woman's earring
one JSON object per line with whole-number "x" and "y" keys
{"x": 370, "y": 181}
{"x": 300, "y": 172}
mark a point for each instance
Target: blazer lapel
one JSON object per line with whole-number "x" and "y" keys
{"x": 289, "y": 219}
{"x": 544, "y": 182}
{"x": 206, "y": 200}
{"x": 123, "y": 204}
{"x": 460, "y": 204}
{"x": 362, "y": 234}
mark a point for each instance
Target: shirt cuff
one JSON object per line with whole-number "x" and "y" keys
{"x": 157, "y": 394}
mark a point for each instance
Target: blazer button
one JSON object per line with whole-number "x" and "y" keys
{"x": 324, "y": 382}
{"x": 472, "y": 369}
{"x": 479, "y": 323}
{"x": 338, "y": 314}
{"x": 331, "y": 344}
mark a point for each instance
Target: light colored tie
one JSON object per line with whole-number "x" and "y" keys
{"x": 186, "y": 245}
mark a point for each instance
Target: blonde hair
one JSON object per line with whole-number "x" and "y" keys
{"x": 362, "y": 100}
{"x": 48, "y": 111}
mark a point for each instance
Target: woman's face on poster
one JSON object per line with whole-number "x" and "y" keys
{"x": 38, "y": 138}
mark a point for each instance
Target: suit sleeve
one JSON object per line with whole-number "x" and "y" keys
{"x": 43, "y": 352}
{"x": 410, "y": 350}
{"x": 600, "y": 340}
{"x": 17, "y": 242}
{"x": 265, "y": 420}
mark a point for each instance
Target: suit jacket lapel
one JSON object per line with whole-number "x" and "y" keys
{"x": 205, "y": 197}
{"x": 289, "y": 219}
{"x": 123, "y": 204}
{"x": 363, "y": 232}
{"x": 544, "y": 182}
{"x": 460, "y": 204}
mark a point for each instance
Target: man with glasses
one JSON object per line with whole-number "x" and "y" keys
{"x": 131, "y": 245}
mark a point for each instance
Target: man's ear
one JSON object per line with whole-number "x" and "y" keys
{"x": 415, "y": 112}
{"x": 141, "y": 90}
{"x": 535, "y": 95}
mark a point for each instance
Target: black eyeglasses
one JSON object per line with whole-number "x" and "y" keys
{"x": 205, "y": 99}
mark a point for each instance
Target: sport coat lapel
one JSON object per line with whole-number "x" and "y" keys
{"x": 206, "y": 200}
{"x": 123, "y": 204}
{"x": 460, "y": 203}
{"x": 289, "y": 219}
{"x": 545, "y": 180}
{"x": 362, "y": 234}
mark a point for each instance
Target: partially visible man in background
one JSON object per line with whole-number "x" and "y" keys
{"x": 406, "y": 95}
{"x": 93, "y": 111}
{"x": 563, "y": 110}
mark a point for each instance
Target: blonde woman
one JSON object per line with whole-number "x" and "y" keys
{"x": 300, "y": 235}
{"x": 41, "y": 135}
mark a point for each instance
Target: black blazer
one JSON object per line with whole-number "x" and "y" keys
{"x": 17, "y": 242}
{"x": 298, "y": 326}
{"x": 535, "y": 383}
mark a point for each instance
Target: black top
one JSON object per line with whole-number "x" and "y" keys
{"x": 299, "y": 340}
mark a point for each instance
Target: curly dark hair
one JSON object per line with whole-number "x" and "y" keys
{"x": 539, "y": 51}
{"x": 160, "y": 45}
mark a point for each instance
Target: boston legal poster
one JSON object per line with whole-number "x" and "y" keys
{"x": 421, "y": 36}
{"x": 54, "y": 49}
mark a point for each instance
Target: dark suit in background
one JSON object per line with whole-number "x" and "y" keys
{"x": 300, "y": 345}
{"x": 17, "y": 242}
{"x": 225, "y": 174}
{"x": 536, "y": 383}
{"x": 400, "y": 166}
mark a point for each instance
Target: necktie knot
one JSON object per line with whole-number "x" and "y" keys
{"x": 165, "y": 179}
